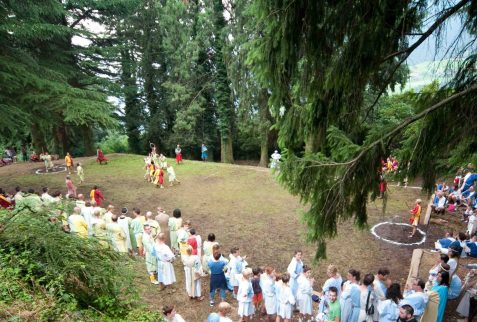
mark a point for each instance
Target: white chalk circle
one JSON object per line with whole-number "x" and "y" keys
{"x": 55, "y": 169}
{"x": 373, "y": 231}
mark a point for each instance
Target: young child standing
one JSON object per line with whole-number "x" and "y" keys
{"x": 257, "y": 299}
{"x": 286, "y": 300}
{"x": 245, "y": 295}
{"x": 415, "y": 215}
{"x": 80, "y": 172}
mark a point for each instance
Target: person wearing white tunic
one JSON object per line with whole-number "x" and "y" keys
{"x": 267, "y": 282}
{"x": 286, "y": 300}
{"x": 109, "y": 214}
{"x": 165, "y": 257}
{"x": 192, "y": 273}
{"x": 116, "y": 235}
{"x": 98, "y": 228}
{"x": 46, "y": 197}
{"x": 208, "y": 245}
{"x": 87, "y": 213}
{"x": 125, "y": 223}
{"x": 236, "y": 266}
{"x": 171, "y": 174}
{"x": 170, "y": 314}
{"x": 304, "y": 293}
{"x": 151, "y": 260}
{"x": 294, "y": 269}
{"x": 244, "y": 296}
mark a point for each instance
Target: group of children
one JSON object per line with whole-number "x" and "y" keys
{"x": 155, "y": 165}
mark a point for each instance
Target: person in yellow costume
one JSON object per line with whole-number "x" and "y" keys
{"x": 69, "y": 162}
{"x": 99, "y": 228}
{"x": 175, "y": 222}
{"x": 182, "y": 236}
{"x": 117, "y": 236}
{"x": 78, "y": 224}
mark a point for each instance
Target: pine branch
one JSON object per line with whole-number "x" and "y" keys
{"x": 83, "y": 16}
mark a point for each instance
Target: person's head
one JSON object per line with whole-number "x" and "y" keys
{"x": 95, "y": 187}
{"x": 147, "y": 229}
{"x": 269, "y": 270}
{"x": 217, "y": 254}
{"x": 444, "y": 258}
{"x": 354, "y": 275}
{"x": 161, "y": 237}
{"x": 93, "y": 203}
{"x": 394, "y": 293}
{"x": 453, "y": 253}
{"x": 57, "y": 194}
{"x": 211, "y": 237}
{"x": 177, "y": 213}
{"x": 307, "y": 270}
{"x": 97, "y": 213}
{"x": 418, "y": 201}
{"x": 68, "y": 178}
{"x": 160, "y": 210}
{"x": 278, "y": 276}
{"x": 215, "y": 248}
{"x": 186, "y": 224}
{"x": 189, "y": 250}
{"x": 444, "y": 267}
{"x": 332, "y": 294}
{"x": 285, "y": 278}
{"x": 87, "y": 203}
{"x": 45, "y": 189}
{"x": 192, "y": 231}
{"x": 418, "y": 285}
{"x": 77, "y": 210}
{"x": 462, "y": 236}
{"x": 18, "y": 189}
{"x": 124, "y": 211}
{"x": 443, "y": 278}
{"x": 331, "y": 270}
{"x": 224, "y": 309}
{"x": 406, "y": 312}
{"x": 298, "y": 255}
{"x": 149, "y": 215}
{"x": 383, "y": 273}
{"x": 114, "y": 218}
{"x": 256, "y": 271}
{"x": 81, "y": 197}
{"x": 368, "y": 279}
{"x": 78, "y": 164}
{"x": 31, "y": 190}
{"x": 136, "y": 212}
{"x": 169, "y": 311}
{"x": 247, "y": 273}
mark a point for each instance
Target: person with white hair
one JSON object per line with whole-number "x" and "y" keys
{"x": 78, "y": 225}
{"x": 154, "y": 224}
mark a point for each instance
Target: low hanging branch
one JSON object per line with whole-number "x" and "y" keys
{"x": 403, "y": 125}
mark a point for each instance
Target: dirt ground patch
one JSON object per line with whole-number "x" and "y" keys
{"x": 244, "y": 206}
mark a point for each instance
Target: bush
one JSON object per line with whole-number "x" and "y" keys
{"x": 115, "y": 143}
{"x": 76, "y": 272}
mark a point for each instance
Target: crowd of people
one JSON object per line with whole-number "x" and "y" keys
{"x": 156, "y": 165}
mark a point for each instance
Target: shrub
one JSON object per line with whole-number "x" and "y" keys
{"x": 115, "y": 143}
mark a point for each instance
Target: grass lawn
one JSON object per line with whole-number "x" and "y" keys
{"x": 244, "y": 206}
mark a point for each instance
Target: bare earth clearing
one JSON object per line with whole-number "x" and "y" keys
{"x": 245, "y": 207}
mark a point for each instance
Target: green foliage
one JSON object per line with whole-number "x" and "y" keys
{"x": 114, "y": 142}
{"x": 71, "y": 270}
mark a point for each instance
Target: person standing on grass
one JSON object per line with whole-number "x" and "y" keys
{"x": 70, "y": 187}
{"x": 193, "y": 274}
{"x": 165, "y": 257}
{"x": 245, "y": 295}
{"x": 151, "y": 260}
{"x": 415, "y": 215}
{"x": 178, "y": 152}
{"x": 155, "y": 228}
{"x": 203, "y": 152}
{"x": 69, "y": 162}
{"x": 125, "y": 223}
{"x": 80, "y": 172}
{"x": 267, "y": 282}
{"x": 350, "y": 297}
{"x": 137, "y": 227}
{"x": 96, "y": 195}
{"x": 217, "y": 276}
{"x": 117, "y": 236}
{"x": 286, "y": 300}
{"x": 295, "y": 268}
{"x": 182, "y": 237}
{"x": 257, "y": 299}
{"x": 77, "y": 223}
{"x": 207, "y": 254}
{"x": 171, "y": 174}
{"x": 163, "y": 219}
{"x": 304, "y": 293}
{"x": 175, "y": 222}
{"x": 332, "y": 309}
{"x": 381, "y": 283}
{"x": 334, "y": 280}
{"x": 159, "y": 178}
{"x": 236, "y": 266}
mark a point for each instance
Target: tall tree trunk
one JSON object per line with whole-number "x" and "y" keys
{"x": 38, "y": 138}
{"x": 88, "y": 140}
{"x": 226, "y": 150}
{"x": 62, "y": 139}
{"x": 265, "y": 123}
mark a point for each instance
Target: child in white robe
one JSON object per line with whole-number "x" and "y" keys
{"x": 244, "y": 296}
{"x": 171, "y": 174}
{"x": 304, "y": 293}
{"x": 286, "y": 300}
{"x": 267, "y": 282}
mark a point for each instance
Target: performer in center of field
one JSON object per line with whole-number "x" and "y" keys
{"x": 159, "y": 178}
{"x": 80, "y": 172}
{"x": 47, "y": 159}
{"x": 203, "y": 152}
{"x": 70, "y": 187}
{"x": 165, "y": 257}
{"x": 96, "y": 195}
{"x": 178, "y": 154}
{"x": 171, "y": 175}
{"x": 100, "y": 156}
{"x": 69, "y": 162}
{"x": 415, "y": 215}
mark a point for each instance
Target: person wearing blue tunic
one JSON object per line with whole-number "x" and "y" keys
{"x": 441, "y": 288}
{"x": 334, "y": 280}
{"x": 203, "y": 151}
{"x": 469, "y": 182}
{"x": 217, "y": 276}
{"x": 416, "y": 297}
{"x": 350, "y": 297}
{"x": 295, "y": 268}
{"x": 455, "y": 287}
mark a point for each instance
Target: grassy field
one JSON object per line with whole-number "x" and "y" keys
{"x": 244, "y": 206}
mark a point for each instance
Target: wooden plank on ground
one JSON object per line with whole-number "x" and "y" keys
{"x": 415, "y": 263}
{"x": 425, "y": 219}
